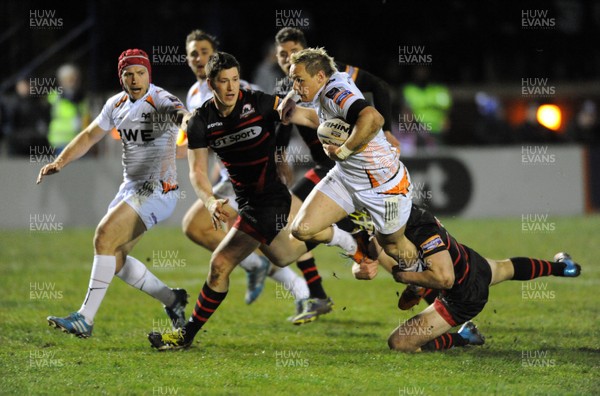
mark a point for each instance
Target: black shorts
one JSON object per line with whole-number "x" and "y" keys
{"x": 311, "y": 178}
{"x": 263, "y": 216}
{"x": 463, "y": 304}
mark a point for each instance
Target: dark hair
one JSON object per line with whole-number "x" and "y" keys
{"x": 220, "y": 61}
{"x": 199, "y": 35}
{"x": 290, "y": 34}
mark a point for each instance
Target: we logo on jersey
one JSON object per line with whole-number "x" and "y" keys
{"x": 132, "y": 134}
{"x": 240, "y": 136}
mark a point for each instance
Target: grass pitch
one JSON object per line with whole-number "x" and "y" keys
{"x": 542, "y": 336}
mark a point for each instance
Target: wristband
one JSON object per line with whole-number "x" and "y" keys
{"x": 209, "y": 202}
{"x": 344, "y": 152}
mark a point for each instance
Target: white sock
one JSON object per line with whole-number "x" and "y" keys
{"x": 103, "y": 270}
{"x": 135, "y": 273}
{"x": 252, "y": 262}
{"x": 343, "y": 239}
{"x": 291, "y": 282}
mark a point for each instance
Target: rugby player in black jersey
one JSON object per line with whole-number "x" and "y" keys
{"x": 463, "y": 278}
{"x": 238, "y": 125}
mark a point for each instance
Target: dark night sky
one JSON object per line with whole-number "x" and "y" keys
{"x": 469, "y": 41}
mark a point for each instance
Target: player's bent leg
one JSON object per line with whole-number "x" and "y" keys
{"x": 315, "y": 217}
{"x": 236, "y": 246}
{"x": 133, "y": 272}
{"x": 417, "y": 331}
{"x": 284, "y": 249}
{"x": 118, "y": 227}
{"x": 398, "y": 247}
{"x": 527, "y": 268}
{"x": 501, "y": 270}
{"x": 197, "y": 226}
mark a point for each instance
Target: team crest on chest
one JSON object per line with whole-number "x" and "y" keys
{"x": 247, "y": 110}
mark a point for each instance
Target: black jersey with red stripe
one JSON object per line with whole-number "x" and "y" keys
{"x": 429, "y": 236}
{"x": 244, "y": 140}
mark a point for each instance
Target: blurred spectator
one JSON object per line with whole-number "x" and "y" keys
{"x": 25, "y": 118}
{"x": 428, "y": 106}
{"x": 69, "y": 108}
{"x": 491, "y": 127}
{"x": 267, "y": 73}
{"x": 585, "y": 126}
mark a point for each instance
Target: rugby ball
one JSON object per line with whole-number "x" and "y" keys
{"x": 334, "y": 131}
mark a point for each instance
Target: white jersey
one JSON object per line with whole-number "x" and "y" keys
{"x": 147, "y": 132}
{"x": 197, "y": 95}
{"x": 379, "y": 161}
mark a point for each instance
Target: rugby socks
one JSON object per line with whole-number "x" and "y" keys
{"x": 103, "y": 270}
{"x": 526, "y": 268}
{"x": 135, "y": 273}
{"x": 291, "y": 282}
{"x": 208, "y": 301}
{"x": 252, "y": 262}
{"x": 346, "y": 224}
{"x": 430, "y": 295}
{"x": 445, "y": 341}
{"x": 312, "y": 277}
{"x": 343, "y": 239}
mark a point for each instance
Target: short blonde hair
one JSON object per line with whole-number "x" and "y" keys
{"x": 314, "y": 59}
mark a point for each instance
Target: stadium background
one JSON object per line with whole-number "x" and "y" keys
{"x": 486, "y": 55}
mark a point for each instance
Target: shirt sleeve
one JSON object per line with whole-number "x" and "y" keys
{"x": 197, "y": 132}
{"x": 169, "y": 103}
{"x": 267, "y": 104}
{"x": 104, "y": 119}
{"x": 338, "y": 99}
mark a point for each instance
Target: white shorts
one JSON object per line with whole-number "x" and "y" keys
{"x": 388, "y": 208}
{"x": 148, "y": 201}
{"x": 224, "y": 190}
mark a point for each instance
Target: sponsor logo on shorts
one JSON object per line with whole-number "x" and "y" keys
{"x": 390, "y": 214}
{"x": 432, "y": 243}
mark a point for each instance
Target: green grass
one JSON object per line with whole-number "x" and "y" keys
{"x": 240, "y": 350}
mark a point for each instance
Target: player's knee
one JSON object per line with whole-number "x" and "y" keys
{"x": 103, "y": 242}
{"x": 301, "y": 232}
{"x": 401, "y": 344}
{"x": 194, "y": 231}
{"x": 220, "y": 266}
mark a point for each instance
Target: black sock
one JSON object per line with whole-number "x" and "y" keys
{"x": 312, "y": 277}
{"x": 346, "y": 224}
{"x": 310, "y": 246}
{"x": 526, "y": 268}
{"x": 430, "y": 295}
{"x": 445, "y": 341}
{"x": 208, "y": 301}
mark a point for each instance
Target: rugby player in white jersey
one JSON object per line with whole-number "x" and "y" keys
{"x": 197, "y": 224}
{"x": 368, "y": 174}
{"x": 147, "y": 119}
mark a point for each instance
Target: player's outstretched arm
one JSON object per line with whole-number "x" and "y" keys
{"x": 289, "y": 113}
{"x": 198, "y": 160}
{"x": 439, "y": 273}
{"x": 74, "y": 150}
